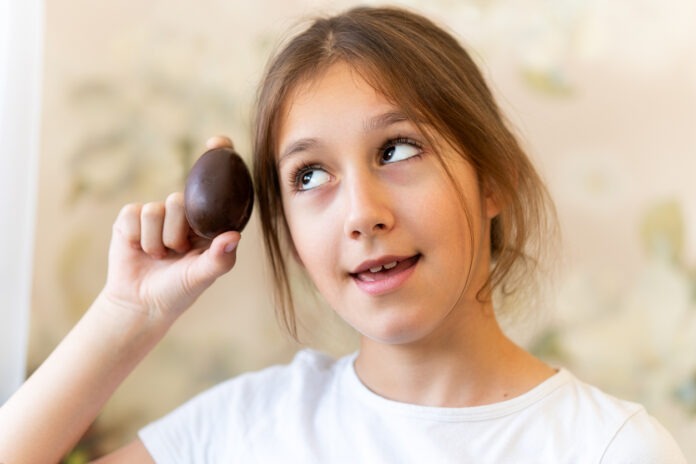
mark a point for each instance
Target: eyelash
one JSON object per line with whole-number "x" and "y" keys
{"x": 297, "y": 173}
{"x": 399, "y": 140}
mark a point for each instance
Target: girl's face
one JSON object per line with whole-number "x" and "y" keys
{"x": 373, "y": 216}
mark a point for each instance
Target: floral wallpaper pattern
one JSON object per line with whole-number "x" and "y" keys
{"x": 602, "y": 93}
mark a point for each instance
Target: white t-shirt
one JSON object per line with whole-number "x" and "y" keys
{"x": 316, "y": 410}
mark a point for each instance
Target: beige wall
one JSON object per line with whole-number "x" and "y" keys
{"x": 604, "y": 97}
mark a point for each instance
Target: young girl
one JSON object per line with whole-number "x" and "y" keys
{"x": 383, "y": 166}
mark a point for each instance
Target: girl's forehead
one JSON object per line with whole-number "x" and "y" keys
{"x": 339, "y": 87}
{"x": 339, "y": 76}
{"x": 343, "y": 75}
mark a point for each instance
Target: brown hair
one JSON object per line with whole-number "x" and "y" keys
{"x": 427, "y": 73}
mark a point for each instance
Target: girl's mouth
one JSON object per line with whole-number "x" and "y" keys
{"x": 378, "y": 279}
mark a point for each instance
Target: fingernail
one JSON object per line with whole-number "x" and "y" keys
{"x": 231, "y": 247}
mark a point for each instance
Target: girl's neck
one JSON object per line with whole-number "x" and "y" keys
{"x": 469, "y": 365}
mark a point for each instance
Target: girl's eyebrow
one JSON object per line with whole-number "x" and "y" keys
{"x": 378, "y": 122}
{"x": 297, "y": 146}
{"x": 384, "y": 120}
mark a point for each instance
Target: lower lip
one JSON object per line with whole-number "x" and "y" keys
{"x": 388, "y": 285}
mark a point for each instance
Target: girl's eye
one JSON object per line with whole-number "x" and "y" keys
{"x": 310, "y": 177}
{"x": 400, "y": 149}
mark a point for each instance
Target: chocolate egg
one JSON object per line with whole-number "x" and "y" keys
{"x": 219, "y": 194}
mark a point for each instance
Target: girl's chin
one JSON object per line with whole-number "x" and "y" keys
{"x": 398, "y": 332}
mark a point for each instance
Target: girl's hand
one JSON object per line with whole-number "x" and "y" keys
{"x": 157, "y": 265}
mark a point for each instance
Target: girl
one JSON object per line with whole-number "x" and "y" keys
{"x": 384, "y": 167}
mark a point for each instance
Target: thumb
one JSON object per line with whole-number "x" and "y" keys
{"x": 217, "y": 260}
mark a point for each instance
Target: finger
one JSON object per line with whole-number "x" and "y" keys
{"x": 127, "y": 224}
{"x": 218, "y": 259}
{"x": 176, "y": 228}
{"x": 151, "y": 224}
{"x": 219, "y": 141}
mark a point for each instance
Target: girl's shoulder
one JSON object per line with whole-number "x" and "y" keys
{"x": 242, "y": 407}
{"x": 629, "y": 432}
{"x": 643, "y": 439}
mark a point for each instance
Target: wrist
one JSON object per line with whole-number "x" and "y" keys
{"x": 129, "y": 319}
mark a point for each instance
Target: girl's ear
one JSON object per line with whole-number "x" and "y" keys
{"x": 491, "y": 201}
{"x": 496, "y": 192}
{"x": 492, "y": 206}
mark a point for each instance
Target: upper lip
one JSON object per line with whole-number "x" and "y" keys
{"x": 381, "y": 261}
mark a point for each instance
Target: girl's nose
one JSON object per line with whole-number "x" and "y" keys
{"x": 368, "y": 207}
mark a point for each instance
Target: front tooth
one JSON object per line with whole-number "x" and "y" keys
{"x": 376, "y": 269}
{"x": 390, "y": 265}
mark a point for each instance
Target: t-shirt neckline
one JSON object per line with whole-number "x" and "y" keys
{"x": 449, "y": 414}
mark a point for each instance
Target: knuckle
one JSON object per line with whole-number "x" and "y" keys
{"x": 175, "y": 199}
{"x": 152, "y": 210}
{"x": 152, "y": 248}
{"x": 127, "y": 222}
{"x": 176, "y": 243}
{"x": 131, "y": 209}
{"x": 155, "y": 252}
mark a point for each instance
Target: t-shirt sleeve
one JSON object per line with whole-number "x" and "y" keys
{"x": 643, "y": 440}
{"x": 194, "y": 432}
{"x": 215, "y": 426}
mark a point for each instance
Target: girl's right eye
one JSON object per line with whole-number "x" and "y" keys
{"x": 310, "y": 177}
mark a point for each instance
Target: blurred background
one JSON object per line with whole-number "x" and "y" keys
{"x": 603, "y": 95}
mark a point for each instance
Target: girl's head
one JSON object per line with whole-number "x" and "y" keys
{"x": 430, "y": 81}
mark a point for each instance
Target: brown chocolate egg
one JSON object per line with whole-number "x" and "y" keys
{"x": 219, "y": 194}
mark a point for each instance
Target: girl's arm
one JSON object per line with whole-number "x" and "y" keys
{"x": 156, "y": 271}
{"x": 53, "y": 409}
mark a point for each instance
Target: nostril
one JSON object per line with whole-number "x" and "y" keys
{"x": 368, "y": 230}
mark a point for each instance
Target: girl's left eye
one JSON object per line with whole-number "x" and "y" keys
{"x": 400, "y": 149}
{"x": 309, "y": 177}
